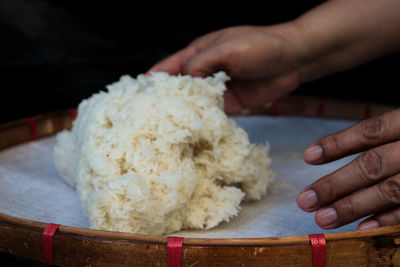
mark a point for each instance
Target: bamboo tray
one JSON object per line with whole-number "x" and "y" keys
{"x": 72, "y": 246}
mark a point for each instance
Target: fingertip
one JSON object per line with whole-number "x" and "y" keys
{"x": 174, "y": 63}
{"x": 170, "y": 65}
{"x": 194, "y": 69}
{"x": 307, "y": 200}
{"x": 313, "y": 154}
{"x": 328, "y": 227}
{"x": 368, "y": 224}
{"x": 160, "y": 66}
{"x": 326, "y": 218}
{"x": 205, "y": 62}
{"x": 149, "y": 72}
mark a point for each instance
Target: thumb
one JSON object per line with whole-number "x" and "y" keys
{"x": 206, "y": 62}
{"x": 174, "y": 63}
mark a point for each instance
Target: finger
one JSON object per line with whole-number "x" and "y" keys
{"x": 367, "y": 169}
{"x": 208, "y": 61}
{"x": 375, "y": 199}
{"x": 254, "y": 93}
{"x": 369, "y": 223}
{"x": 174, "y": 63}
{"x": 386, "y": 218}
{"x": 231, "y": 103}
{"x": 358, "y": 138}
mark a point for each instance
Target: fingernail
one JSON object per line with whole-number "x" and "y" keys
{"x": 368, "y": 225}
{"x": 313, "y": 153}
{"x": 326, "y": 216}
{"x": 307, "y": 199}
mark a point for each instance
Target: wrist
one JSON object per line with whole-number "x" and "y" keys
{"x": 339, "y": 35}
{"x": 307, "y": 52}
{"x": 296, "y": 53}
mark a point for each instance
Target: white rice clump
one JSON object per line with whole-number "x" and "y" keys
{"x": 157, "y": 154}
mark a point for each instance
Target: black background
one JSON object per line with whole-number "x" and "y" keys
{"x": 55, "y": 53}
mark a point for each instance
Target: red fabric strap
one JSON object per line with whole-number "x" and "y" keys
{"x": 174, "y": 247}
{"x": 318, "y": 245}
{"x": 74, "y": 113}
{"x": 274, "y": 108}
{"x": 32, "y": 127}
{"x": 47, "y": 235}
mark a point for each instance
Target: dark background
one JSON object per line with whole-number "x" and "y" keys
{"x": 55, "y": 53}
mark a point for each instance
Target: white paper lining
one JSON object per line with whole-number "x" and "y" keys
{"x": 31, "y": 188}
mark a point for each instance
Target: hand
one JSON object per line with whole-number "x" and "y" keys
{"x": 260, "y": 60}
{"x": 267, "y": 62}
{"x": 369, "y": 185}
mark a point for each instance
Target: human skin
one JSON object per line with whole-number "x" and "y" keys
{"x": 266, "y": 62}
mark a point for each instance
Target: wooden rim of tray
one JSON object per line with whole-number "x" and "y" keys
{"x": 80, "y": 246}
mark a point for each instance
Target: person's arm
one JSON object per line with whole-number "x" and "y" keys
{"x": 341, "y": 34}
{"x": 268, "y": 62}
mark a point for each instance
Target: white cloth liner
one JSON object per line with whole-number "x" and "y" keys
{"x": 31, "y": 188}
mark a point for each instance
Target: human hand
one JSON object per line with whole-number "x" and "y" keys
{"x": 369, "y": 185}
{"x": 261, "y": 62}
{"x": 268, "y": 62}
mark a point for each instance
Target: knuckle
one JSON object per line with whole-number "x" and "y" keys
{"x": 370, "y": 165}
{"x": 394, "y": 217}
{"x": 326, "y": 189}
{"x": 330, "y": 145}
{"x": 390, "y": 190}
{"x": 346, "y": 209}
{"x": 389, "y": 218}
{"x": 373, "y": 128}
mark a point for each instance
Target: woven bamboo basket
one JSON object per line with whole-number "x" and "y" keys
{"x": 23, "y": 239}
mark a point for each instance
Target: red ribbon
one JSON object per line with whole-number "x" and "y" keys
{"x": 32, "y": 127}
{"x": 318, "y": 244}
{"x": 74, "y": 113}
{"x": 174, "y": 247}
{"x": 47, "y": 235}
{"x": 274, "y": 108}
